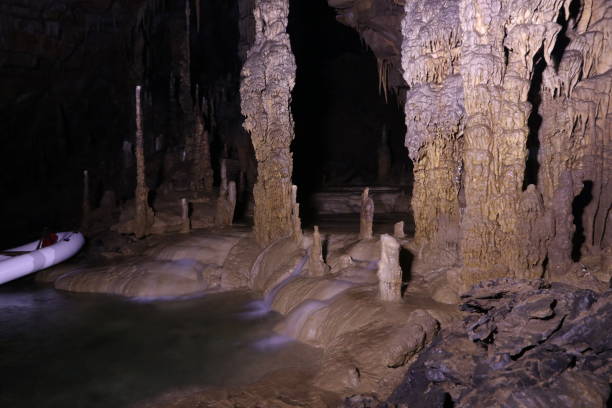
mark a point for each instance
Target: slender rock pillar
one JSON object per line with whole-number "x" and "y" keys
{"x": 144, "y": 214}
{"x": 86, "y": 207}
{"x": 389, "y": 270}
{"x": 398, "y": 230}
{"x": 202, "y": 167}
{"x": 316, "y": 265}
{"x": 367, "y": 215}
{"x": 226, "y": 203}
{"x": 185, "y": 222}
{"x": 268, "y": 78}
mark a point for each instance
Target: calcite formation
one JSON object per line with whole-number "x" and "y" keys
{"x": 268, "y": 76}
{"x": 575, "y": 136}
{"x": 366, "y": 218}
{"x": 389, "y": 270}
{"x": 473, "y": 68}
{"x": 316, "y": 264}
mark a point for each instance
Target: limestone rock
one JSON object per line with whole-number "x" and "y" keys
{"x": 268, "y": 76}
{"x": 524, "y": 343}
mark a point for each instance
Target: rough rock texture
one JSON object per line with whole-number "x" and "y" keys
{"x": 576, "y": 134}
{"x": 431, "y": 51}
{"x": 500, "y": 41}
{"x": 523, "y": 344}
{"x": 474, "y": 69}
{"x": 268, "y": 78}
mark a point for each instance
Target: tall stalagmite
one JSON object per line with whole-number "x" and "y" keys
{"x": 144, "y": 215}
{"x": 268, "y": 78}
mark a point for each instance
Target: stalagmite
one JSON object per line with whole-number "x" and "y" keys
{"x": 366, "y": 218}
{"x": 202, "y": 167}
{"x": 389, "y": 270}
{"x": 226, "y": 203}
{"x": 295, "y": 216}
{"x": 185, "y": 221}
{"x": 398, "y": 230}
{"x": 86, "y": 207}
{"x": 144, "y": 214}
{"x": 316, "y": 265}
{"x": 268, "y": 76}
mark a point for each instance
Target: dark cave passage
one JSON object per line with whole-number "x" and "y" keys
{"x": 339, "y": 111}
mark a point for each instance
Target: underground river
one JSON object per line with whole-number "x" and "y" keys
{"x": 60, "y": 349}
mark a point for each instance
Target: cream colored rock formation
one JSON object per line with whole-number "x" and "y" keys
{"x": 316, "y": 264}
{"x": 268, "y": 76}
{"x": 471, "y": 66}
{"x": 389, "y": 270}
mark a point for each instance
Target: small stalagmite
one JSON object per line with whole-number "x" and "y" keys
{"x": 185, "y": 222}
{"x": 295, "y": 216}
{"x": 367, "y": 215}
{"x": 398, "y": 230}
{"x": 389, "y": 270}
{"x": 226, "y": 203}
{"x": 316, "y": 264}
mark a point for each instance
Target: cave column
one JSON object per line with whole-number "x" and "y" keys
{"x": 268, "y": 78}
{"x": 500, "y": 41}
{"x": 431, "y": 40}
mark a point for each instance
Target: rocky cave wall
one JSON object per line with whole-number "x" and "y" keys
{"x": 68, "y": 70}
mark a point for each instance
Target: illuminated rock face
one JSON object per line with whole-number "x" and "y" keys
{"x": 469, "y": 65}
{"x": 268, "y": 78}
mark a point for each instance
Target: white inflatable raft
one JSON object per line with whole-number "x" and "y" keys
{"x": 28, "y": 258}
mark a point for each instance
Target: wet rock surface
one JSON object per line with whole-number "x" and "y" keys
{"x": 522, "y": 344}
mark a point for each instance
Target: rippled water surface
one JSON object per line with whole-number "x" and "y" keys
{"x": 62, "y": 349}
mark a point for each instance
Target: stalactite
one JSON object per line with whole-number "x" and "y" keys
{"x": 268, "y": 76}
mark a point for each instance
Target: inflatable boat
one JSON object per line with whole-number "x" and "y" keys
{"x": 37, "y": 255}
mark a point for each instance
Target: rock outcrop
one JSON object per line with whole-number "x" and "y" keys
{"x": 523, "y": 343}
{"x": 268, "y": 78}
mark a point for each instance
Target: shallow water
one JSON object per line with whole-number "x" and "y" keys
{"x": 61, "y": 349}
